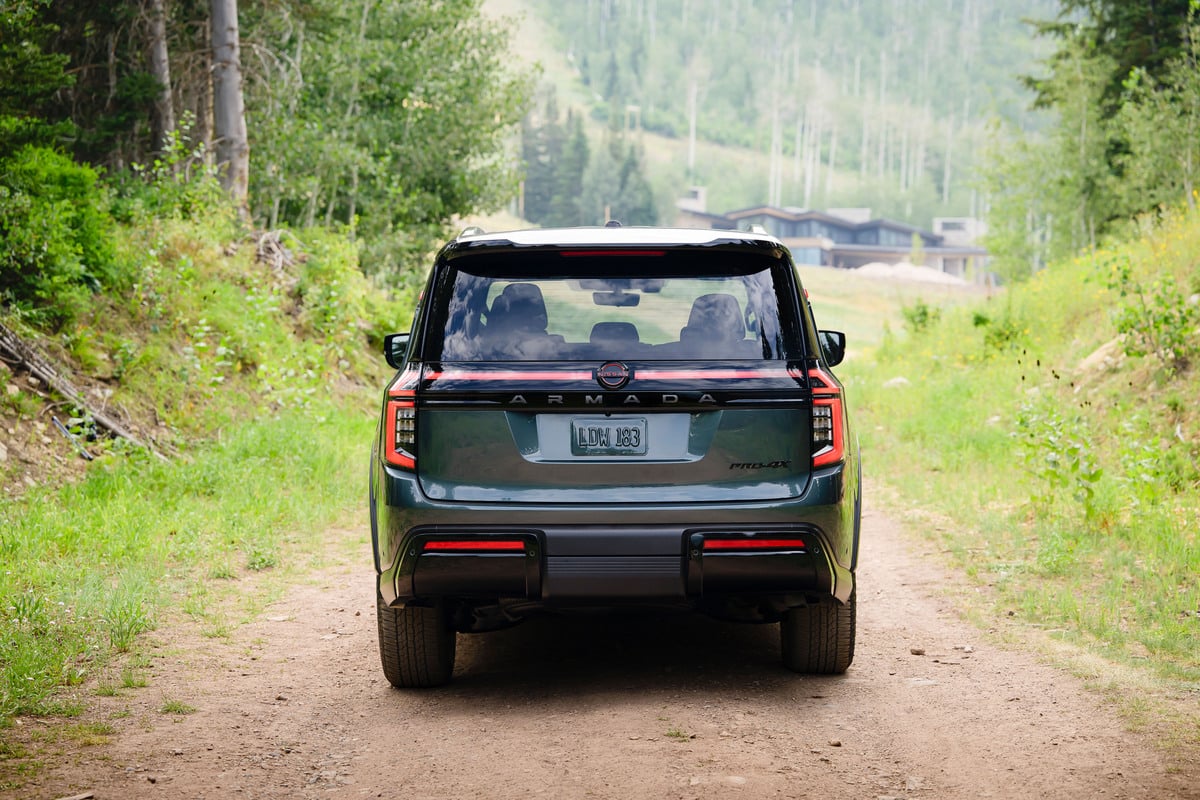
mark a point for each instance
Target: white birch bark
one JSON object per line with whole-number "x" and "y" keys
{"x": 160, "y": 68}
{"x": 229, "y": 113}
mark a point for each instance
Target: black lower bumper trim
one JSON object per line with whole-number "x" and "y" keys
{"x": 617, "y": 577}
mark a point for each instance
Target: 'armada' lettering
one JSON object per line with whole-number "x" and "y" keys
{"x": 631, "y": 399}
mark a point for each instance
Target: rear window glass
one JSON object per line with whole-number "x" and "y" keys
{"x": 669, "y": 307}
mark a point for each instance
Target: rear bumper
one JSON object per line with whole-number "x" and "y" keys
{"x": 647, "y": 554}
{"x": 584, "y": 565}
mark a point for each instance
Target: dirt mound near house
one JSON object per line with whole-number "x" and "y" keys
{"x": 905, "y": 271}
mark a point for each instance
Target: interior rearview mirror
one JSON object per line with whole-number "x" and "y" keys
{"x": 395, "y": 348}
{"x": 617, "y": 298}
{"x": 833, "y": 346}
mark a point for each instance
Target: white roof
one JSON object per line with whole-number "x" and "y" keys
{"x": 616, "y": 236}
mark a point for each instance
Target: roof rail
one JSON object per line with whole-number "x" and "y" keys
{"x": 471, "y": 230}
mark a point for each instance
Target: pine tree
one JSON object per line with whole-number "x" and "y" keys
{"x": 635, "y": 199}
{"x": 541, "y": 150}
{"x": 568, "y": 176}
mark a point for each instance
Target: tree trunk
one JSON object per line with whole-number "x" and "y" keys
{"x": 946, "y": 164}
{"x": 691, "y": 151}
{"x": 160, "y": 68}
{"x": 204, "y": 99}
{"x": 229, "y": 115}
{"x": 832, "y": 168}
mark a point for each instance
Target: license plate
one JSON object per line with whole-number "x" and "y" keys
{"x": 604, "y": 436}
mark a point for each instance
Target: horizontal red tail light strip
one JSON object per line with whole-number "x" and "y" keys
{"x": 473, "y": 545}
{"x": 754, "y": 544}
{"x": 713, "y": 374}
{"x": 509, "y": 375}
{"x": 576, "y": 375}
{"x": 617, "y": 253}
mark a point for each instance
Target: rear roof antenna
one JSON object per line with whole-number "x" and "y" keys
{"x": 613, "y": 223}
{"x": 471, "y": 230}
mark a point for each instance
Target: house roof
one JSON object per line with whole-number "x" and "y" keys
{"x": 798, "y": 215}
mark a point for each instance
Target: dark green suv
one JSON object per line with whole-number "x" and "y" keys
{"x": 613, "y": 417}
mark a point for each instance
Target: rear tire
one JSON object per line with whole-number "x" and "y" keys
{"x": 818, "y": 639}
{"x": 416, "y": 645}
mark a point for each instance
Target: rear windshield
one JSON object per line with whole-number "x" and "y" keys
{"x": 668, "y": 306}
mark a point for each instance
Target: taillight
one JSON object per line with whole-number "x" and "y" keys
{"x": 755, "y": 543}
{"x": 400, "y": 421}
{"x": 483, "y": 545}
{"x": 828, "y": 420}
{"x": 402, "y": 433}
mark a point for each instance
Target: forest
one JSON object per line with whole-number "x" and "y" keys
{"x": 1055, "y": 121}
{"x": 385, "y": 119}
{"x": 873, "y": 103}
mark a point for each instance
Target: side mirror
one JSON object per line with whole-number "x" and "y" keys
{"x": 833, "y": 346}
{"x": 395, "y": 348}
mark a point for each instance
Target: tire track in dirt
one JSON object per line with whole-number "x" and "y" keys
{"x": 636, "y": 706}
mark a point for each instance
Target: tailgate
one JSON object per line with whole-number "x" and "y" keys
{"x": 552, "y": 434}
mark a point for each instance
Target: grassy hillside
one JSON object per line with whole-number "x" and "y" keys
{"x": 870, "y": 309}
{"x": 246, "y": 364}
{"x": 1048, "y": 440}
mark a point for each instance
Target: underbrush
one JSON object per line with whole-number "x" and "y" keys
{"x": 1057, "y": 426}
{"x": 249, "y": 363}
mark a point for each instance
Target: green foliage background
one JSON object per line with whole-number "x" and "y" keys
{"x": 1124, "y": 91}
{"x": 898, "y": 95}
{"x": 570, "y": 180}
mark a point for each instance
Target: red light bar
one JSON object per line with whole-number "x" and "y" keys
{"x": 572, "y": 253}
{"x": 473, "y": 545}
{"x": 791, "y": 543}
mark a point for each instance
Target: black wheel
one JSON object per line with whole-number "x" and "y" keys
{"x": 818, "y": 638}
{"x": 416, "y": 646}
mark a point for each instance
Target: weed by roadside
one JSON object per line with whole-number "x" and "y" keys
{"x": 1072, "y": 476}
{"x": 174, "y": 706}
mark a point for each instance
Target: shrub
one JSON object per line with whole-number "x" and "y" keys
{"x": 1158, "y": 319}
{"x": 56, "y": 235}
{"x": 178, "y": 184}
{"x": 920, "y": 317}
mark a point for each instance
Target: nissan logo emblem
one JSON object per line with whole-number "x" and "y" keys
{"x": 613, "y": 375}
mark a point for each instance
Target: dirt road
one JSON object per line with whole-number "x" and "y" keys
{"x": 643, "y": 707}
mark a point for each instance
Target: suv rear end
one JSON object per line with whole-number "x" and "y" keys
{"x": 613, "y": 417}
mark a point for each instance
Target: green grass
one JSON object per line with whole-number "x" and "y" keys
{"x": 172, "y": 706}
{"x": 868, "y": 309}
{"x": 678, "y": 734}
{"x": 90, "y": 566}
{"x": 1069, "y": 485}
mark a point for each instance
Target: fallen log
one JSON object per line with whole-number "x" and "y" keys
{"x": 26, "y": 356}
